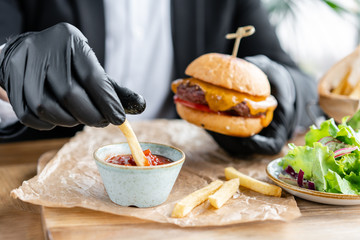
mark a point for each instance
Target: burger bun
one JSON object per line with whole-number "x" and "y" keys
{"x": 228, "y": 125}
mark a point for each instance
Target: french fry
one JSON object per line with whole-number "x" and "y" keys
{"x": 355, "y": 93}
{"x": 347, "y": 89}
{"x": 225, "y": 192}
{"x": 188, "y": 203}
{"x": 344, "y": 86}
{"x": 252, "y": 183}
{"x": 134, "y": 145}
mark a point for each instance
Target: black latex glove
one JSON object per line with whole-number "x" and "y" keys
{"x": 53, "y": 78}
{"x": 272, "y": 138}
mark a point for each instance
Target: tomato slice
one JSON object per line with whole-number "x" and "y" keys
{"x": 200, "y": 107}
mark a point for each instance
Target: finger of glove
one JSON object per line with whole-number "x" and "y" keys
{"x": 25, "y": 113}
{"x": 69, "y": 93}
{"x": 15, "y": 92}
{"x": 30, "y": 120}
{"x": 92, "y": 77}
{"x": 272, "y": 139}
{"x": 62, "y": 32}
{"x": 280, "y": 79}
{"x": 282, "y": 87}
{"x": 38, "y": 97}
{"x": 268, "y": 142}
{"x": 26, "y": 116}
{"x": 80, "y": 106}
{"x": 50, "y": 111}
{"x": 6, "y": 55}
{"x": 132, "y": 102}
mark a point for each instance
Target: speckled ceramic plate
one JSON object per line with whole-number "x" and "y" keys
{"x": 273, "y": 170}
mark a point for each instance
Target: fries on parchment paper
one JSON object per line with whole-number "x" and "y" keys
{"x": 226, "y": 191}
{"x": 185, "y": 205}
{"x": 252, "y": 183}
{"x": 218, "y": 192}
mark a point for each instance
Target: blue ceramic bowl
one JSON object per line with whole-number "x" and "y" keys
{"x": 147, "y": 186}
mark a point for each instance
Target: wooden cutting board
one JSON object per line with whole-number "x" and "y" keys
{"x": 318, "y": 221}
{"x": 79, "y": 223}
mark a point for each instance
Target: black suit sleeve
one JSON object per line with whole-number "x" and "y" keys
{"x": 10, "y": 19}
{"x": 264, "y": 41}
{"x": 10, "y": 25}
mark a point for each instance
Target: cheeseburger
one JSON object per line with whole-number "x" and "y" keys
{"x": 225, "y": 94}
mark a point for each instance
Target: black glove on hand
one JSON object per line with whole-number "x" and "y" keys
{"x": 53, "y": 78}
{"x": 271, "y": 139}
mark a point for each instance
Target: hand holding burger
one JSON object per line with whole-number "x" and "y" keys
{"x": 244, "y": 124}
{"x": 226, "y": 94}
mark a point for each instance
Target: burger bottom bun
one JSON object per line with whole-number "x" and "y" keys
{"x": 228, "y": 125}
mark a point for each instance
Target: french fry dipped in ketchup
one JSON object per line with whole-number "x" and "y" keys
{"x": 136, "y": 151}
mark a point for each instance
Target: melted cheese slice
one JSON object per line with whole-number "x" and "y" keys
{"x": 222, "y": 99}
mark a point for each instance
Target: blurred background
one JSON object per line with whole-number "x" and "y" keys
{"x": 316, "y": 33}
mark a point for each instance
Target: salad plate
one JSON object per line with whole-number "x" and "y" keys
{"x": 273, "y": 170}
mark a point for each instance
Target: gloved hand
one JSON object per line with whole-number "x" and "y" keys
{"x": 53, "y": 78}
{"x": 272, "y": 138}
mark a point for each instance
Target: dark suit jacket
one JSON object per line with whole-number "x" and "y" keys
{"x": 198, "y": 27}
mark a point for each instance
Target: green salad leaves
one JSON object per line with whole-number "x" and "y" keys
{"x": 330, "y": 158}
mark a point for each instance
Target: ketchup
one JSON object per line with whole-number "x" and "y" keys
{"x": 128, "y": 160}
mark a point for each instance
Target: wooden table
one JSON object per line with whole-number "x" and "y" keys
{"x": 18, "y": 162}
{"x": 19, "y": 220}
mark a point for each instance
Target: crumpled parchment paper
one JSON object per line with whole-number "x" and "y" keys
{"x": 71, "y": 178}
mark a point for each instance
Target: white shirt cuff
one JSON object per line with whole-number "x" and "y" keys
{"x": 2, "y": 47}
{"x": 7, "y": 114}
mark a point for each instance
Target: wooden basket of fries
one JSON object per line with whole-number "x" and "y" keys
{"x": 339, "y": 88}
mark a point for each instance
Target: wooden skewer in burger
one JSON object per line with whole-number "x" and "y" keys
{"x": 225, "y": 94}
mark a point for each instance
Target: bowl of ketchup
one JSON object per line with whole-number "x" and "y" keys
{"x": 140, "y": 186}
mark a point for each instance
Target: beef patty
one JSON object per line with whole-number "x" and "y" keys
{"x": 194, "y": 94}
